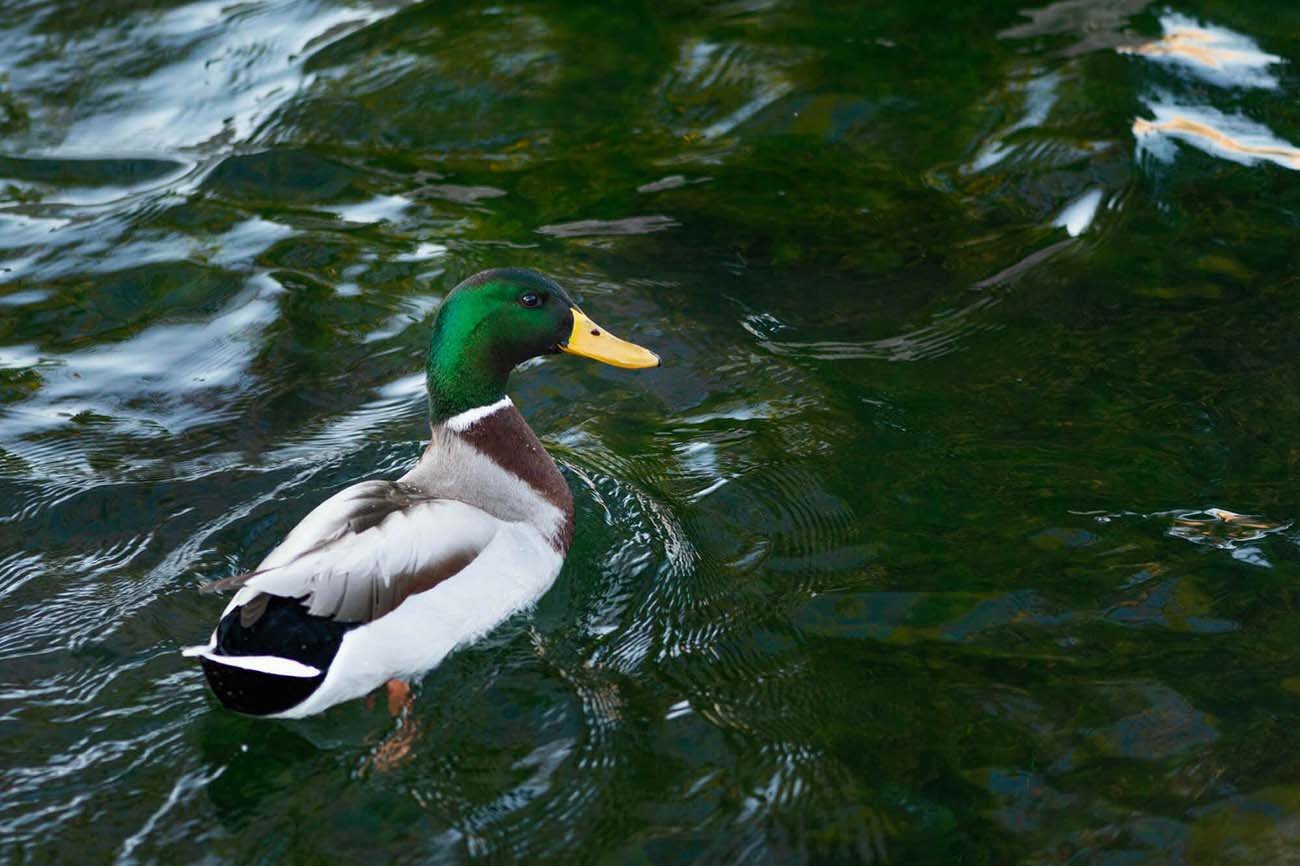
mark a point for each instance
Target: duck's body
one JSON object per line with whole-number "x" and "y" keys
{"x": 385, "y": 578}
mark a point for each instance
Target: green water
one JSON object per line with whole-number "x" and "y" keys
{"x": 905, "y": 555}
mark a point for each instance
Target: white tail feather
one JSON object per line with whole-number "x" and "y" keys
{"x": 265, "y": 664}
{"x": 191, "y": 651}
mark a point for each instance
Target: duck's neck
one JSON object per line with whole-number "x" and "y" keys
{"x": 489, "y": 458}
{"x": 463, "y": 374}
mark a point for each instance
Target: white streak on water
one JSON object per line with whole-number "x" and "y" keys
{"x": 22, "y": 299}
{"x": 765, "y": 97}
{"x": 1040, "y": 97}
{"x": 1079, "y": 214}
{"x": 170, "y": 362}
{"x": 185, "y": 785}
{"x": 239, "y": 246}
{"x": 1227, "y": 136}
{"x": 19, "y": 230}
{"x": 381, "y": 208}
{"x": 423, "y": 252}
{"x": 220, "y": 83}
{"x": 1215, "y": 54}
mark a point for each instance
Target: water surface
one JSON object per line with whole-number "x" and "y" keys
{"x": 959, "y": 525}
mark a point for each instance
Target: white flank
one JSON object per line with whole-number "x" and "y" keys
{"x": 266, "y": 664}
{"x": 511, "y": 573}
{"x": 467, "y": 419}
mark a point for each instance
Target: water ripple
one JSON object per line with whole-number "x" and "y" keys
{"x": 819, "y": 609}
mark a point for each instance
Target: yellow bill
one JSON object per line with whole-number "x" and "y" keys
{"x": 592, "y": 341}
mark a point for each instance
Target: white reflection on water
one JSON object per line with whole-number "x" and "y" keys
{"x": 1040, "y": 94}
{"x": 1222, "y": 57}
{"x": 234, "y": 66}
{"x": 728, "y": 82}
{"x": 1231, "y": 137}
{"x": 20, "y": 230}
{"x": 245, "y": 240}
{"x": 1079, "y": 214}
{"x": 1221, "y": 528}
{"x": 98, "y": 196}
{"x": 215, "y": 73}
{"x": 94, "y": 246}
{"x": 1211, "y": 527}
{"x": 1215, "y": 54}
{"x": 381, "y": 208}
{"x": 423, "y": 252}
{"x": 152, "y": 379}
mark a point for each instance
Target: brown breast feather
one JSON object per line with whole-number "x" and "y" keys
{"x": 505, "y": 438}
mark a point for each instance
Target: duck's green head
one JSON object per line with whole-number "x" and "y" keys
{"x": 496, "y": 320}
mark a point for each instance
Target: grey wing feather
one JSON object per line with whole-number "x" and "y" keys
{"x": 371, "y": 547}
{"x": 378, "y": 499}
{"x": 355, "y": 509}
{"x": 366, "y": 597}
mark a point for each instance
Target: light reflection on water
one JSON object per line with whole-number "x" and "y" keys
{"x": 1227, "y": 137}
{"x": 967, "y": 605}
{"x": 1217, "y": 54}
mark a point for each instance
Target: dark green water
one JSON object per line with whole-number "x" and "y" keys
{"x": 904, "y": 555}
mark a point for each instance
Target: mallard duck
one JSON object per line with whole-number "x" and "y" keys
{"x": 382, "y": 580}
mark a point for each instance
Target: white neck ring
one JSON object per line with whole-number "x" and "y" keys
{"x": 467, "y": 419}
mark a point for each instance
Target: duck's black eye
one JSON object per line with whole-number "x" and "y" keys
{"x": 530, "y": 299}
